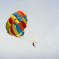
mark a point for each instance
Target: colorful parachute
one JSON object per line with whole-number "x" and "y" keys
{"x": 16, "y": 24}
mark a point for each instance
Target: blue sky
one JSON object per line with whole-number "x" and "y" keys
{"x": 43, "y": 27}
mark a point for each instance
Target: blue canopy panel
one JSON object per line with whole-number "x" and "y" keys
{"x": 19, "y": 30}
{"x": 18, "y": 17}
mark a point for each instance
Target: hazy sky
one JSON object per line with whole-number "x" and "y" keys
{"x": 43, "y": 27}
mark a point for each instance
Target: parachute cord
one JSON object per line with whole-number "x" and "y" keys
{"x": 33, "y": 42}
